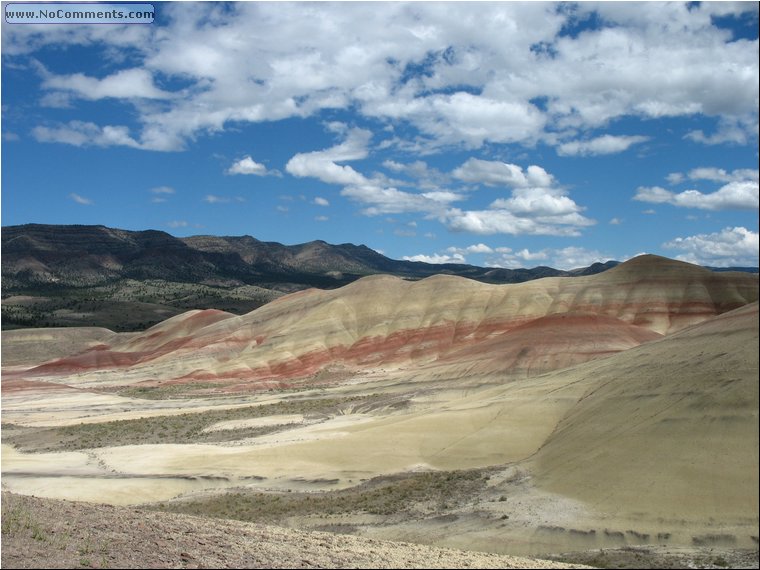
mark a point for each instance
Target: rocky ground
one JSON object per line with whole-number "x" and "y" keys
{"x": 45, "y": 533}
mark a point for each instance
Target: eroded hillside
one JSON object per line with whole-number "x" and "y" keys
{"x": 563, "y": 413}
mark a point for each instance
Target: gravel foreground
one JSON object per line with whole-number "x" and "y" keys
{"x": 47, "y": 533}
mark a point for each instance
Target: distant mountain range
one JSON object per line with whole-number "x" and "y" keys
{"x": 66, "y": 275}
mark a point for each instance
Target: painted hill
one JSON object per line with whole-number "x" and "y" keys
{"x": 559, "y": 414}
{"x": 128, "y": 280}
{"x": 524, "y": 328}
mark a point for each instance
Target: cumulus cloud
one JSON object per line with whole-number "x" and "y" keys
{"x": 505, "y": 257}
{"x": 500, "y": 221}
{"x": 479, "y": 248}
{"x": 496, "y": 173}
{"x": 379, "y": 199}
{"x": 374, "y": 193}
{"x": 730, "y": 247}
{"x": 79, "y": 133}
{"x": 247, "y": 165}
{"x": 463, "y": 251}
{"x": 738, "y": 195}
{"x": 605, "y": 144}
{"x": 420, "y": 172}
{"x": 562, "y": 258}
{"x": 537, "y": 205}
{"x": 714, "y": 174}
{"x": 436, "y": 258}
{"x": 323, "y": 164}
{"x": 319, "y": 201}
{"x": 124, "y": 84}
{"x": 730, "y": 130}
{"x": 455, "y": 75}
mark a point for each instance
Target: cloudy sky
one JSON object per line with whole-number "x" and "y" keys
{"x": 509, "y": 134}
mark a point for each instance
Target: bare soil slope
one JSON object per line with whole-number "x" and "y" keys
{"x": 669, "y": 428}
{"x": 618, "y": 409}
{"x": 45, "y": 533}
{"x": 385, "y": 321}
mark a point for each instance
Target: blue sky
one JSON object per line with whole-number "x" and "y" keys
{"x": 509, "y": 134}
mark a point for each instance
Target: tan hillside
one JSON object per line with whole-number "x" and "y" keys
{"x": 592, "y": 412}
{"x": 669, "y": 428}
{"x": 381, "y": 321}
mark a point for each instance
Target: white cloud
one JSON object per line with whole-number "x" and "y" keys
{"x": 479, "y": 248}
{"x": 605, "y": 144}
{"x": 436, "y": 258}
{"x": 475, "y": 248}
{"x": 730, "y": 130}
{"x": 80, "y": 133}
{"x": 491, "y": 173}
{"x": 720, "y": 175}
{"x": 740, "y": 195}
{"x": 81, "y": 199}
{"x": 374, "y": 193}
{"x": 735, "y": 247}
{"x": 323, "y": 165}
{"x": 455, "y": 75}
{"x": 57, "y": 100}
{"x": 537, "y": 205}
{"x": 319, "y": 201}
{"x": 214, "y": 199}
{"x": 502, "y": 221}
{"x": 423, "y": 175}
{"x": 160, "y": 193}
{"x": 163, "y": 190}
{"x": 473, "y": 120}
{"x": 247, "y": 165}
{"x": 321, "y": 218}
{"x": 562, "y": 258}
{"x": 616, "y": 221}
{"x": 178, "y": 224}
{"x": 380, "y": 199}
{"x": 124, "y": 84}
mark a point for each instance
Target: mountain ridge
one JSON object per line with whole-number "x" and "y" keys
{"x": 93, "y": 275}
{"x": 124, "y": 280}
{"x": 264, "y": 256}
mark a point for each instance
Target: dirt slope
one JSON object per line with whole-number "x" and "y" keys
{"x": 669, "y": 428}
{"x": 45, "y": 533}
{"x": 385, "y": 321}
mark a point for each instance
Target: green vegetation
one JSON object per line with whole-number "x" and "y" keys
{"x": 16, "y": 520}
{"x": 398, "y": 494}
{"x": 121, "y": 305}
{"x": 167, "y": 392}
{"x": 180, "y": 428}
